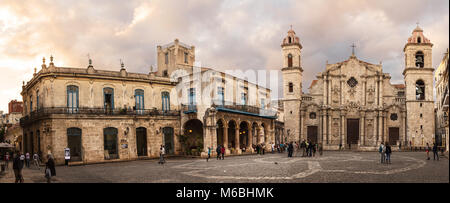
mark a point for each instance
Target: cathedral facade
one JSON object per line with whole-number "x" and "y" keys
{"x": 353, "y": 105}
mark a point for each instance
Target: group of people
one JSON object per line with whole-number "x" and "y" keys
{"x": 20, "y": 160}
{"x": 220, "y": 150}
{"x": 260, "y": 148}
{"x": 435, "y": 151}
{"x": 385, "y": 152}
{"x": 309, "y": 148}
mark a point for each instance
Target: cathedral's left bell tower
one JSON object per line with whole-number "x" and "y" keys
{"x": 418, "y": 75}
{"x": 292, "y": 85}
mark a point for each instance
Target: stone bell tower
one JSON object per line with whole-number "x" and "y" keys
{"x": 418, "y": 76}
{"x": 292, "y": 85}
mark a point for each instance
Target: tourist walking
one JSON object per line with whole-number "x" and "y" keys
{"x": 273, "y": 147}
{"x": 162, "y": 151}
{"x": 388, "y": 153}
{"x": 314, "y": 149}
{"x": 263, "y": 148}
{"x": 17, "y": 167}
{"x": 36, "y": 161}
{"x": 435, "y": 152}
{"x": 427, "y": 149}
{"x": 303, "y": 147}
{"x": 222, "y": 151}
{"x": 50, "y": 170}
{"x": 382, "y": 151}
{"x": 310, "y": 144}
{"x": 218, "y": 152}
{"x": 209, "y": 154}
{"x": 320, "y": 149}
{"x": 27, "y": 159}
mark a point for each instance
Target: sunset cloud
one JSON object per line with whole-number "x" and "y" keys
{"x": 227, "y": 34}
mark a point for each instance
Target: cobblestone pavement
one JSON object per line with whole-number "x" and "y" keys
{"x": 332, "y": 167}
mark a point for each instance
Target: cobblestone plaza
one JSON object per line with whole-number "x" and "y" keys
{"x": 332, "y": 167}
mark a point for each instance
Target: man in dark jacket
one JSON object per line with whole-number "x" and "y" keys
{"x": 388, "y": 153}
{"x": 218, "y": 152}
{"x": 18, "y": 166}
{"x": 50, "y": 165}
{"x": 435, "y": 152}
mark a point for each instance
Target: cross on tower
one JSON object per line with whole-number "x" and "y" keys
{"x": 353, "y": 49}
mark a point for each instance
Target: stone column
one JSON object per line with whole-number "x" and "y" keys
{"x": 302, "y": 120}
{"x": 385, "y": 131}
{"x": 250, "y": 139}
{"x": 329, "y": 117}
{"x": 225, "y": 138}
{"x": 344, "y": 123}
{"x": 362, "y": 121}
{"x": 375, "y": 128}
{"x": 237, "y": 144}
{"x": 403, "y": 131}
{"x": 324, "y": 126}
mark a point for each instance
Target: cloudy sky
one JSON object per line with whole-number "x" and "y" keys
{"x": 228, "y": 34}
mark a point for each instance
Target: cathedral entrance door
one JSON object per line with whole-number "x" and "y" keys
{"x": 393, "y": 136}
{"x": 352, "y": 132}
{"x": 312, "y": 134}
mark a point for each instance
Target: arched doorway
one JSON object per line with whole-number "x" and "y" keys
{"x": 193, "y": 131}
{"x": 243, "y": 135}
{"x": 219, "y": 132}
{"x": 141, "y": 141}
{"x": 168, "y": 140}
{"x": 74, "y": 143}
{"x": 231, "y": 134}
{"x": 110, "y": 143}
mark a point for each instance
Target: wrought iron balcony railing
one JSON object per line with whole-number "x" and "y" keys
{"x": 42, "y": 112}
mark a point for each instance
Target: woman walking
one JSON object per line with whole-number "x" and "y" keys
{"x": 162, "y": 151}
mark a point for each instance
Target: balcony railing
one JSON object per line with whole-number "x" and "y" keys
{"x": 400, "y": 100}
{"x": 247, "y": 109}
{"x": 189, "y": 108}
{"x": 42, "y": 112}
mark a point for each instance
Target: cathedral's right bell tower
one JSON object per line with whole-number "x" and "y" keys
{"x": 418, "y": 75}
{"x": 292, "y": 85}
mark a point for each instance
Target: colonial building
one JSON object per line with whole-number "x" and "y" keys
{"x": 353, "y": 104}
{"x": 441, "y": 78}
{"x": 116, "y": 115}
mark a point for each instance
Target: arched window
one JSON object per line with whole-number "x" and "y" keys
{"x": 166, "y": 58}
{"x": 72, "y": 98}
{"x": 419, "y": 59}
{"x": 420, "y": 90}
{"x": 165, "y": 97}
{"x": 291, "y": 87}
{"x": 419, "y": 40}
{"x": 290, "y": 60}
{"x": 139, "y": 100}
{"x": 290, "y": 40}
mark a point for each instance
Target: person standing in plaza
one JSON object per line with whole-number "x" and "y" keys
{"x": 36, "y": 161}
{"x": 427, "y": 149}
{"x": 50, "y": 170}
{"x": 209, "y": 154}
{"x": 218, "y": 152}
{"x": 161, "y": 155}
{"x": 320, "y": 149}
{"x": 435, "y": 152}
{"x": 273, "y": 147}
{"x": 303, "y": 147}
{"x": 382, "y": 151}
{"x": 17, "y": 167}
{"x": 388, "y": 153}
{"x": 310, "y": 148}
{"x": 222, "y": 151}
{"x": 263, "y": 147}
{"x": 27, "y": 159}
{"x": 22, "y": 158}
